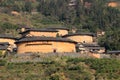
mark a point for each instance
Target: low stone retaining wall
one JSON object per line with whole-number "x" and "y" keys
{"x": 37, "y": 57}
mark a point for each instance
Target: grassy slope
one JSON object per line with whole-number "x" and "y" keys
{"x": 62, "y": 69}
{"x": 36, "y": 21}
{"x": 28, "y": 19}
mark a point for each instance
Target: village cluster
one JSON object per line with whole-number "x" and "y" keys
{"x": 51, "y": 40}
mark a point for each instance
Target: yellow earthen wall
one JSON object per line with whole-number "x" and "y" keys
{"x": 62, "y": 32}
{"x": 41, "y": 47}
{"x": 47, "y": 34}
{"x": 81, "y": 38}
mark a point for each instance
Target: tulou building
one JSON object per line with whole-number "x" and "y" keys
{"x": 81, "y": 37}
{"x": 61, "y": 30}
{"x": 39, "y": 32}
{"x": 86, "y": 42}
{"x": 45, "y": 45}
{"x": 47, "y": 40}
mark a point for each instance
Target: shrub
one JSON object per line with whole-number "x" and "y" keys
{"x": 2, "y": 62}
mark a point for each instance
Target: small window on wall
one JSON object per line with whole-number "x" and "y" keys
{"x": 54, "y": 50}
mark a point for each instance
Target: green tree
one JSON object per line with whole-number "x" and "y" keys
{"x": 111, "y": 40}
{"x": 28, "y": 6}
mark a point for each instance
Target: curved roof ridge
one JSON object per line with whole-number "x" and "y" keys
{"x": 81, "y": 33}
{"x": 39, "y": 30}
{"x": 7, "y": 36}
{"x": 64, "y": 28}
{"x": 36, "y": 38}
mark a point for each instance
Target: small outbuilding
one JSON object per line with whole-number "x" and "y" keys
{"x": 61, "y": 30}
{"x": 114, "y": 54}
{"x": 39, "y": 32}
{"x": 23, "y": 28}
{"x": 81, "y": 37}
{"x": 8, "y": 38}
{"x": 113, "y": 3}
{"x": 45, "y": 45}
{"x": 3, "y": 48}
{"x": 90, "y": 48}
{"x": 100, "y": 33}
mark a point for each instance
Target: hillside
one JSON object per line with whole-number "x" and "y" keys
{"x": 32, "y": 20}
{"x": 90, "y": 15}
{"x": 62, "y": 69}
{"x": 9, "y": 23}
{"x": 86, "y": 16}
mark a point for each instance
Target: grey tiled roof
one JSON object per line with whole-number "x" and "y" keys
{"x": 4, "y": 45}
{"x": 93, "y": 47}
{"x": 23, "y": 26}
{"x": 90, "y": 45}
{"x": 63, "y": 28}
{"x": 90, "y": 34}
{"x": 7, "y": 36}
{"x": 31, "y": 39}
{"x": 114, "y": 52}
{"x": 39, "y": 30}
